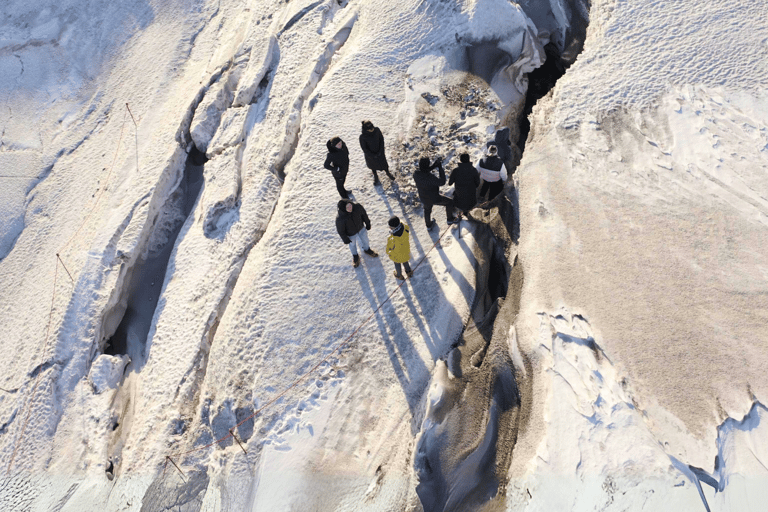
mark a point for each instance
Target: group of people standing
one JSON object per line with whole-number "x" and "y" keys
{"x": 465, "y": 178}
{"x": 372, "y": 144}
{"x": 352, "y": 222}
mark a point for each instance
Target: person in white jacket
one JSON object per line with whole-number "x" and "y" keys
{"x": 493, "y": 174}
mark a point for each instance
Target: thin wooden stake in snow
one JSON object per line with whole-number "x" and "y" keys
{"x": 134, "y": 119}
{"x": 136, "y": 131}
{"x": 231, "y": 431}
{"x": 65, "y": 267}
{"x": 168, "y": 457}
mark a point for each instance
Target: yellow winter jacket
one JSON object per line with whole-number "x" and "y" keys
{"x": 399, "y": 247}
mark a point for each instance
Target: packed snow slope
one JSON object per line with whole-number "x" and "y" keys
{"x": 644, "y": 227}
{"x": 644, "y": 200}
{"x": 169, "y": 349}
{"x": 102, "y": 391}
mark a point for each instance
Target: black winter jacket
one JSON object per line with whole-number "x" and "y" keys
{"x": 503, "y": 145}
{"x": 372, "y": 144}
{"x": 349, "y": 224}
{"x": 493, "y": 163}
{"x": 467, "y": 180}
{"x": 429, "y": 185}
{"x": 337, "y": 160}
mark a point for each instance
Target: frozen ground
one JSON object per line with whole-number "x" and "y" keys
{"x": 599, "y": 347}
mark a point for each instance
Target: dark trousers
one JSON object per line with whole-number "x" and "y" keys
{"x": 340, "y": 187}
{"x": 442, "y": 201}
{"x": 406, "y": 265}
{"x": 464, "y": 204}
{"x": 495, "y": 188}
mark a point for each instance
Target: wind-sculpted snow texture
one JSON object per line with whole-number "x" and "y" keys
{"x": 639, "y": 49}
{"x": 97, "y": 235}
{"x": 643, "y": 206}
{"x": 655, "y": 220}
{"x": 603, "y": 452}
{"x": 258, "y": 287}
{"x": 48, "y": 61}
{"x": 616, "y": 362}
{"x": 334, "y": 418}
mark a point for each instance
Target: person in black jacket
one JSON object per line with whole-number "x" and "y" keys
{"x": 467, "y": 180}
{"x": 352, "y": 223}
{"x": 429, "y": 190}
{"x": 372, "y": 143}
{"x": 337, "y": 161}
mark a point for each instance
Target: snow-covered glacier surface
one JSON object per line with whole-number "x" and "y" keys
{"x": 183, "y": 328}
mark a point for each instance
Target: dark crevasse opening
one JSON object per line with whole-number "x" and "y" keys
{"x": 145, "y": 281}
{"x": 465, "y": 450}
{"x": 561, "y": 51}
{"x": 540, "y": 81}
{"x": 498, "y": 275}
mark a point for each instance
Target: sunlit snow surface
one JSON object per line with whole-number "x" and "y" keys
{"x": 639, "y": 345}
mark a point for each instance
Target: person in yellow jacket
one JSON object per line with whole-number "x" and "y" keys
{"x": 399, "y": 247}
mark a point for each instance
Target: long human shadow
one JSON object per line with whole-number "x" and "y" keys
{"x": 425, "y": 285}
{"x": 425, "y": 332}
{"x": 407, "y": 364}
{"x": 434, "y": 234}
{"x": 468, "y": 226}
{"x": 464, "y": 285}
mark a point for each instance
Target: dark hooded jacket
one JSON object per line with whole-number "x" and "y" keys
{"x": 372, "y": 144}
{"x": 350, "y": 223}
{"x": 502, "y": 143}
{"x": 507, "y": 153}
{"x": 337, "y": 160}
{"x": 427, "y": 184}
{"x": 467, "y": 180}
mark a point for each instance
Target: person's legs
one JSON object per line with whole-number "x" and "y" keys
{"x": 484, "y": 189}
{"x": 353, "y": 244}
{"x": 459, "y": 199}
{"x": 448, "y": 203}
{"x": 407, "y": 267}
{"x": 341, "y": 190}
{"x": 375, "y": 178}
{"x": 428, "y": 214}
{"x": 340, "y": 187}
{"x": 496, "y": 188}
{"x": 398, "y": 268}
{"x": 362, "y": 237}
{"x": 354, "y": 240}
